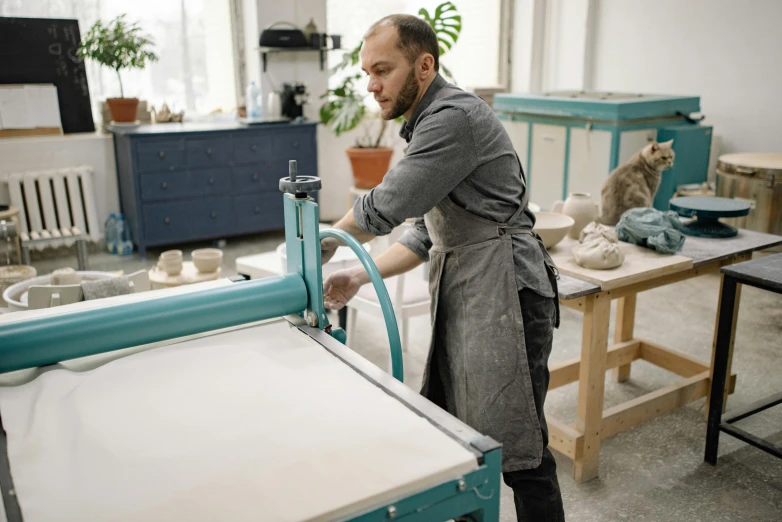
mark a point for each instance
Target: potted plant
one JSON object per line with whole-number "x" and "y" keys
{"x": 344, "y": 109}
{"x": 119, "y": 45}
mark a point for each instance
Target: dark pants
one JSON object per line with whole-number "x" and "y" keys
{"x": 536, "y": 491}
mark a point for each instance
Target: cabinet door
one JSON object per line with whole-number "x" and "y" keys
{"x": 631, "y": 142}
{"x": 209, "y": 182}
{"x": 589, "y": 161}
{"x": 209, "y": 152}
{"x": 166, "y": 222}
{"x": 518, "y": 131}
{"x": 259, "y": 212}
{"x": 168, "y": 185}
{"x": 211, "y": 217}
{"x": 255, "y": 178}
{"x": 160, "y": 156}
{"x": 547, "y": 164}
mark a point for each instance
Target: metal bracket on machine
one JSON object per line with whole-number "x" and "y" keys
{"x": 302, "y": 242}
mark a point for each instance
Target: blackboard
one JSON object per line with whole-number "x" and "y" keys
{"x": 43, "y": 50}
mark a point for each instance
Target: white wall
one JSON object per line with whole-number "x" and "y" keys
{"x": 726, "y": 51}
{"x": 97, "y": 150}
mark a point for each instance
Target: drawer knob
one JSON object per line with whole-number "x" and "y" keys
{"x": 295, "y": 144}
{"x": 161, "y": 154}
{"x": 253, "y": 147}
{"x": 208, "y": 152}
{"x": 164, "y": 185}
{"x": 167, "y": 220}
{"x": 255, "y": 177}
{"x": 211, "y": 181}
{"x": 257, "y": 210}
{"x": 213, "y": 215}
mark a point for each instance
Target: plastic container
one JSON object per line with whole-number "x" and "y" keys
{"x": 110, "y": 231}
{"x": 252, "y": 101}
{"x": 123, "y": 238}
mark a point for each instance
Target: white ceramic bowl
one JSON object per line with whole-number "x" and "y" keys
{"x": 171, "y": 255}
{"x": 207, "y": 260}
{"x": 16, "y": 295}
{"x": 552, "y": 227}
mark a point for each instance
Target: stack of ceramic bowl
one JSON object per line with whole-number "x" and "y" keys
{"x": 170, "y": 262}
{"x": 207, "y": 260}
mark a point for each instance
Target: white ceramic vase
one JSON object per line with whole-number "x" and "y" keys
{"x": 581, "y": 208}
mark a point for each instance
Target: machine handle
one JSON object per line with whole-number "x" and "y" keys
{"x": 397, "y": 365}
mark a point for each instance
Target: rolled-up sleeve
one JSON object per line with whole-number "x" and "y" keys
{"x": 441, "y": 154}
{"x": 416, "y": 238}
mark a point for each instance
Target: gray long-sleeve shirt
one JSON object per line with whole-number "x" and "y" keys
{"x": 459, "y": 149}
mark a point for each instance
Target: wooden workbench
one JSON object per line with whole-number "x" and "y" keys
{"x": 581, "y": 441}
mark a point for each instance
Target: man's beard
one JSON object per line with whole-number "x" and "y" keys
{"x": 407, "y": 97}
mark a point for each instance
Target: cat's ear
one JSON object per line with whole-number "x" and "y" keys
{"x": 667, "y": 144}
{"x": 654, "y": 147}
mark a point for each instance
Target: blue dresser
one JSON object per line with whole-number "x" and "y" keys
{"x": 190, "y": 182}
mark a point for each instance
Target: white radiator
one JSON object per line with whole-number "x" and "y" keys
{"x": 54, "y": 204}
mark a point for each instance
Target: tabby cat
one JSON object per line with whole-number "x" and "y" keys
{"x": 633, "y": 184}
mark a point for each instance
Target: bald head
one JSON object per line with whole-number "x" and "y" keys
{"x": 414, "y": 36}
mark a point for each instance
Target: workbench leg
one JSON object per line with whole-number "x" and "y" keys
{"x": 735, "y": 312}
{"x": 591, "y": 384}
{"x": 720, "y": 365}
{"x": 625, "y": 322}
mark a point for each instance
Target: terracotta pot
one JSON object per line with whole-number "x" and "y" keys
{"x": 123, "y": 110}
{"x": 369, "y": 165}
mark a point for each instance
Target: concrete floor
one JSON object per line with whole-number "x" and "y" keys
{"x": 654, "y": 471}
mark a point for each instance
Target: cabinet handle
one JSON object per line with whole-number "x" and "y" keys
{"x": 257, "y": 210}
{"x": 253, "y": 147}
{"x": 213, "y": 215}
{"x": 295, "y": 144}
{"x": 161, "y": 154}
{"x": 164, "y": 185}
{"x": 211, "y": 181}
{"x": 208, "y": 152}
{"x": 167, "y": 221}
{"x": 255, "y": 177}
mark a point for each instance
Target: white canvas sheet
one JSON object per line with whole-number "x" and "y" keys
{"x": 255, "y": 424}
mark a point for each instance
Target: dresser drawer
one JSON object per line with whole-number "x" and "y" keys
{"x": 167, "y": 222}
{"x": 259, "y": 212}
{"x": 252, "y": 148}
{"x": 208, "y": 182}
{"x": 256, "y": 178}
{"x": 210, "y": 217}
{"x": 160, "y": 156}
{"x": 214, "y": 152}
{"x": 294, "y": 145}
{"x": 167, "y": 185}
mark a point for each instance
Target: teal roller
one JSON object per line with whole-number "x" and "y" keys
{"x": 48, "y": 340}
{"x": 397, "y": 365}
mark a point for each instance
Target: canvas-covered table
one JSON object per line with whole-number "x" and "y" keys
{"x": 580, "y": 441}
{"x": 272, "y": 420}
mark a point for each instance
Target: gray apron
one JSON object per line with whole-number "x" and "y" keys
{"x": 477, "y": 364}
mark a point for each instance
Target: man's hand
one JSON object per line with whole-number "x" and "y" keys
{"x": 328, "y": 247}
{"x": 340, "y": 287}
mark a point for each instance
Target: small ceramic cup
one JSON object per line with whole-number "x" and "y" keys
{"x": 172, "y": 267}
{"x": 207, "y": 260}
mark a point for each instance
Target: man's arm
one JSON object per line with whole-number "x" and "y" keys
{"x": 328, "y": 246}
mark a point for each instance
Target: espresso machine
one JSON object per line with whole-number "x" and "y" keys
{"x": 294, "y": 96}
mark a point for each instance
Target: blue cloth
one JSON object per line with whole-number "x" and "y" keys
{"x": 651, "y": 228}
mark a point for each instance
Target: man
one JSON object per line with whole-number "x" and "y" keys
{"x": 494, "y": 302}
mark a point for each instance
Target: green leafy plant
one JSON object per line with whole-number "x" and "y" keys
{"x": 344, "y": 108}
{"x": 119, "y": 45}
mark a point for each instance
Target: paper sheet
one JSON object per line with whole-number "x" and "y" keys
{"x": 255, "y": 424}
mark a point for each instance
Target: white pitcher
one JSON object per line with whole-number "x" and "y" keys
{"x": 581, "y": 208}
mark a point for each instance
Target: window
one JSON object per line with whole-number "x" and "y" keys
{"x": 475, "y": 59}
{"x": 193, "y": 41}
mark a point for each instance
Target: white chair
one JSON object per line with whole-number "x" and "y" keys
{"x": 409, "y": 295}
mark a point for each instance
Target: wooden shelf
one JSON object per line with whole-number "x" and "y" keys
{"x": 276, "y": 50}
